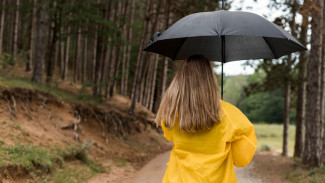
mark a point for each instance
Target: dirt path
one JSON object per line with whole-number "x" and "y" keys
{"x": 154, "y": 171}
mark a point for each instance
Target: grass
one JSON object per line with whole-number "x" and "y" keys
{"x": 121, "y": 163}
{"x": 47, "y": 163}
{"x": 13, "y": 82}
{"x": 73, "y": 173}
{"x": 316, "y": 175}
{"x": 269, "y": 136}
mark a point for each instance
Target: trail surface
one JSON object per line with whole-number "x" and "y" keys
{"x": 154, "y": 171}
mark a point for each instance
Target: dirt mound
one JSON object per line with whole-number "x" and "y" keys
{"x": 38, "y": 118}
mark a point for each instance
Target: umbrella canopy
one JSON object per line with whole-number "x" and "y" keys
{"x": 224, "y": 36}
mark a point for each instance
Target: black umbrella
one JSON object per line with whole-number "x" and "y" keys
{"x": 224, "y": 36}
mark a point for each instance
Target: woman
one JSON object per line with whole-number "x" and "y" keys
{"x": 210, "y": 136}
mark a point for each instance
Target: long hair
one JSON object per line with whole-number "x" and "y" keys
{"x": 192, "y": 97}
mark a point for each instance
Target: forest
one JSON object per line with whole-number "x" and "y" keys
{"x": 97, "y": 45}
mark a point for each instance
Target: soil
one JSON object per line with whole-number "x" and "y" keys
{"x": 271, "y": 167}
{"x": 37, "y": 118}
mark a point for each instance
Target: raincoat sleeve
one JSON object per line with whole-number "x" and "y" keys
{"x": 167, "y": 132}
{"x": 243, "y": 140}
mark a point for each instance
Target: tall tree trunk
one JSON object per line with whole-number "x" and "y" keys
{"x": 66, "y": 59}
{"x": 286, "y": 117}
{"x": 99, "y": 60}
{"x": 2, "y": 20}
{"x": 115, "y": 61}
{"x": 32, "y": 37}
{"x": 40, "y": 48}
{"x": 84, "y": 65}
{"x": 15, "y": 38}
{"x": 61, "y": 53}
{"x": 130, "y": 33}
{"x": 153, "y": 85}
{"x": 109, "y": 61}
{"x": 321, "y": 100}
{"x": 77, "y": 61}
{"x": 125, "y": 48}
{"x": 94, "y": 58}
{"x": 301, "y": 98}
{"x": 311, "y": 155}
{"x": 138, "y": 71}
{"x": 52, "y": 46}
{"x": 163, "y": 79}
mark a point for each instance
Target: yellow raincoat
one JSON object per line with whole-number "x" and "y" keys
{"x": 208, "y": 157}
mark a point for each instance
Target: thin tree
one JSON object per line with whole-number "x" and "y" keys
{"x": 66, "y": 59}
{"x": 32, "y": 37}
{"x": 40, "y": 42}
{"x": 2, "y": 20}
{"x": 77, "y": 62}
{"x": 139, "y": 65}
{"x": 15, "y": 37}
{"x": 52, "y": 44}
{"x": 301, "y": 94}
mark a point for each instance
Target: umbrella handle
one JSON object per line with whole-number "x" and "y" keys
{"x": 153, "y": 37}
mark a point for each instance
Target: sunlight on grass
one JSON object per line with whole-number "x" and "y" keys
{"x": 271, "y": 135}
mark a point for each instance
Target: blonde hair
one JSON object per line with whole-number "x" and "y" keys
{"x": 193, "y": 97}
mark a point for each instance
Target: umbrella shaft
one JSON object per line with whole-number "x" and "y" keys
{"x": 223, "y": 4}
{"x": 223, "y": 60}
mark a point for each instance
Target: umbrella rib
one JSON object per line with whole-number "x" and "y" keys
{"x": 272, "y": 50}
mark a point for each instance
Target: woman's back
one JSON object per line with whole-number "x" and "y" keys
{"x": 210, "y": 136}
{"x": 209, "y": 156}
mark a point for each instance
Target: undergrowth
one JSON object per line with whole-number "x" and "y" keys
{"x": 80, "y": 95}
{"x": 301, "y": 175}
{"x": 47, "y": 163}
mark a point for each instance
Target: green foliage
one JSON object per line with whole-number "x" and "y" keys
{"x": 5, "y": 60}
{"x": 61, "y": 93}
{"x": 264, "y": 106}
{"x": 27, "y": 156}
{"x": 234, "y": 88}
{"x": 38, "y": 161}
{"x": 301, "y": 175}
{"x": 73, "y": 173}
{"x": 265, "y": 147}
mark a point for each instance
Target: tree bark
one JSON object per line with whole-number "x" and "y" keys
{"x": 94, "y": 58}
{"x": 84, "y": 65}
{"x": 138, "y": 71}
{"x": 153, "y": 85}
{"x": 115, "y": 61}
{"x": 163, "y": 79}
{"x": 32, "y": 37}
{"x": 52, "y": 46}
{"x": 77, "y": 61}
{"x": 61, "y": 54}
{"x": 301, "y": 98}
{"x": 40, "y": 48}
{"x": 311, "y": 155}
{"x": 15, "y": 38}
{"x": 130, "y": 33}
{"x": 3, "y": 13}
{"x": 66, "y": 59}
{"x": 286, "y": 117}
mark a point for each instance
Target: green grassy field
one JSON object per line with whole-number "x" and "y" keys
{"x": 270, "y": 135}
